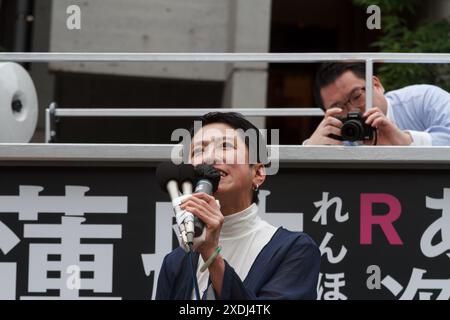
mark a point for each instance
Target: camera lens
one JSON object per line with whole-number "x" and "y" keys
{"x": 352, "y": 130}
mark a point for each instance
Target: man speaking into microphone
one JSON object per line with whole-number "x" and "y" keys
{"x": 241, "y": 256}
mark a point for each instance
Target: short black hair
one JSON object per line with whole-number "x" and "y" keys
{"x": 237, "y": 121}
{"x": 329, "y": 72}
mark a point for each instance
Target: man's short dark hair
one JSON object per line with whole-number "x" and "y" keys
{"x": 329, "y": 72}
{"x": 237, "y": 121}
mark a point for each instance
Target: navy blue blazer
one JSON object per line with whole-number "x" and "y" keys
{"x": 286, "y": 268}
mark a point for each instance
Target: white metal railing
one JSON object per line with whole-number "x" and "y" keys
{"x": 368, "y": 58}
{"x": 378, "y": 57}
{"x": 183, "y": 112}
{"x": 52, "y": 113}
{"x": 295, "y": 155}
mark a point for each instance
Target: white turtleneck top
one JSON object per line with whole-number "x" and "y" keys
{"x": 244, "y": 234}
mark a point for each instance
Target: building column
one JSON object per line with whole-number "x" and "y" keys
{"x": 249, "y": 31}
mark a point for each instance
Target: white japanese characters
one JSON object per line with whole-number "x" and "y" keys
{"x": 62, "y": 252}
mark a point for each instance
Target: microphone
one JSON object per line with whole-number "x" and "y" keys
{"x": 208, "y": 180}
{"x": 167, "y": 175}
{"x": 187, "y": 179}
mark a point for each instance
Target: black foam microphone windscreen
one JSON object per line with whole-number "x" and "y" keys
{"x": 166, "y": 172}
{"x": 187, "y": 174}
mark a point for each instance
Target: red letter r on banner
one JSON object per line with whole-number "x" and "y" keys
{"x": 385, "y": 221}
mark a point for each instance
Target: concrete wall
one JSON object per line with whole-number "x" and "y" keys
{"x": 144, "y": 26}
{"x": 172, "y": 26}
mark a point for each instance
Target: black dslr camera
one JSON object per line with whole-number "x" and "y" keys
{"x": 354, "y": 128}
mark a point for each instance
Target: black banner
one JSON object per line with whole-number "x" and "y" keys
{"x": 102, "y": 232}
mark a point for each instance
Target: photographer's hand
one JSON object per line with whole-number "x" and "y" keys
{"x": 329, "y": 125}
{"x": 388, "y": 133}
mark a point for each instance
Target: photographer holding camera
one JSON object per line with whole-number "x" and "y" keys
{"x": 414, "y": 115}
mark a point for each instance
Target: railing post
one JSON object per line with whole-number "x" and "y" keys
{"x": 369, "y": 84}
{"x": 47, "y": 125}
{"x": 50, "y": 123}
